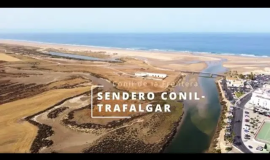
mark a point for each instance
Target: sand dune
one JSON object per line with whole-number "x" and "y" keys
{"x": 5, "y": 57}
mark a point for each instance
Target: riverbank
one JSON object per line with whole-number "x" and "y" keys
{"x": 219, "y": 132}
{"x": 176, "y": 127}
{"x": 221, "y": 145}
{"x": 201, "y": 117}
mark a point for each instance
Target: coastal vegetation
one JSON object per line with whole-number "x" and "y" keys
{"x": 250, "y": 76}
{"x": 232, "y": 74}
{"x": 235, "y": 74}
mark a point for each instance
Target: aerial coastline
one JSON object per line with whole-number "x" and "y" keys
{"x": 147, "y": 80}
{"x": 64, "y": 78}
{"x": 172, "y": 61}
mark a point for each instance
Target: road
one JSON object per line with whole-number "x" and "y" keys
{"x": 237, "y": 126}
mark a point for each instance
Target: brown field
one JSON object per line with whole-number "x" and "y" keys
{"x": 5, "y": 57}
{"x": 18, "y": 135}
{"x": 84, "y": 115}
{"x": 69, "y": 82}
{"x": 148, "y": 136}
{"x": 123, "y": 76}
{"x": 37, "y": 82}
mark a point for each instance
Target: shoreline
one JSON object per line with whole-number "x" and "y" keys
{"x": 172, "y": 60}
{"x": 40, "y": 44}
{"x": 157, "y": 55}
{"x": 199, "y": 53}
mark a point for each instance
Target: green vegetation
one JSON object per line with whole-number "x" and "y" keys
{"x": 217, "y": 151}
{"x": 230, "y": 117}
{"x": 254, "y": 122}
{"x": 228, "y": 148}
{"x": 232, "y": 74}
{"x": 250, "y": 76}
{"x": 177, "y": 109}
{"x": 231, "y": 138}
{"x": 239, "y": 94}
{"x": 241, "y": 76}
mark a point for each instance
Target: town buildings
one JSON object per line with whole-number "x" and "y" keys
{"x": 154, "y": 75}
{"x": 261, "y": 97}
{"x": 234, "y": 82}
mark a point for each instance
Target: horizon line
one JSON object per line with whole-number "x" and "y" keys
{"x": 70, "y": 32}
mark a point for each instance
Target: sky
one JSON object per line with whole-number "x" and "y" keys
{"x": 134, "y": 20}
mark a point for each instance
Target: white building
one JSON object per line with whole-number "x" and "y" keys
{"x": 145, "y": 74}
{"x": 261, "y": 97}
{"x": 234, "y": 82}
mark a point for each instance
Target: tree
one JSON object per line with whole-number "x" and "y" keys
{"x": 265, "y": 146}
{"x": 218, "y": 151}
{"x": 228, "y": 148}
{"x": 251, "y": 76}
{"x": 233, "y": 135}
{"x": 241, "y": 76}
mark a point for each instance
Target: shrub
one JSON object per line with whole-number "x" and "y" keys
{"x": 228, "y": 148}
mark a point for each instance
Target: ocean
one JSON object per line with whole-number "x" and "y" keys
{"x": 244, "y": 44}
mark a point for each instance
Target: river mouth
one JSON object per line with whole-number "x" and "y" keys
{"x": 200, "y": 120}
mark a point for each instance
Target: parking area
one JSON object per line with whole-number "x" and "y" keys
{"x": 251, "y": 124}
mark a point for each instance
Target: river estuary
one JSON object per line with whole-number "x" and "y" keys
{"x": 196, "y": 130}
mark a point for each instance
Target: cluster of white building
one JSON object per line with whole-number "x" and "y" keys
{"x": 261, "y": 97}
{"x": 155, "y": 75}
{"x": 234, "y": 82}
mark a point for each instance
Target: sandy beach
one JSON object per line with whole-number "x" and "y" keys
{"x": 170, "y": 60}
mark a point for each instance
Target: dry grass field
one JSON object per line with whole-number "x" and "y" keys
{"x": 121, "y": 74}
{"x": 68, "y": 82}
{"x": 36, "y": 82}
{"x": 8, "y": 58}
{"x": 84, "y": 116}
{"x": 16, "y": 135}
